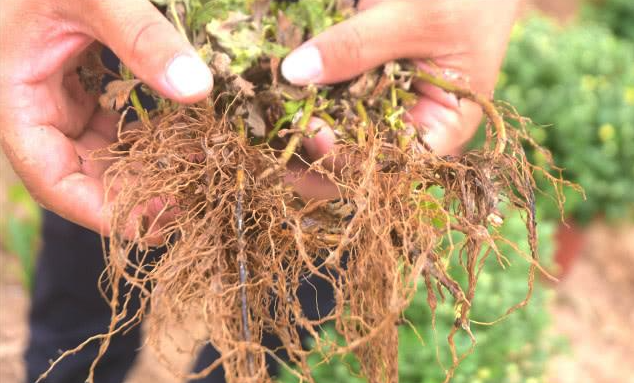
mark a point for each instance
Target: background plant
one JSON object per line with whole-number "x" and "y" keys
{"x": 582, "y": 95}
{"x": 513, "y": 350}
{"x": 617, "y": 15}
{"x": 20, "y": 230}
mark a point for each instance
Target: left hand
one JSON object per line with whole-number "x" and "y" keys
{"x": 464, "y": 37}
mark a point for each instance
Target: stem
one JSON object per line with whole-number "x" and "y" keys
{"x": 293, "y": 142}
{"x": 242, "y": 132}
{"x": 328, "y": 118}
{"x": 242, "y": 263}
{"x": 177, "y": 19}
{"x": 140, "y": 110}
{"x": 278, "y": 125}
{"x": 486, "y": 104}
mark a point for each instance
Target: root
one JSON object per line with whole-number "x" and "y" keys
{"x": 239, "y": 244}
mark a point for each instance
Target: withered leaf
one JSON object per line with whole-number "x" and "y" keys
{"x": 259, "y": 8}
{"x": 92, "y": 70}
{"x": 234, "y": 20}
{"x": 221, "y": 64}
{"x": 383, "y": 83}
{"x": 289, "y": 35}
{"x": 363, "y": 85}
{"x": 255, "y": 120}
{"x": 345, "y": 6}
{"x": 275, "y": 70}
{"x": 117, "y": 94}
{"x": 291, "y": 92}
{"x": 242, "y": 86}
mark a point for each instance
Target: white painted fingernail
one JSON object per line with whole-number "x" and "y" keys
{"x": 304, "y": 66}
{"x": 188, "y": 75}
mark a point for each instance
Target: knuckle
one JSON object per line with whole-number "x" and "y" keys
{"x": 351, "y": 46}
{"x": 137, "y": 37}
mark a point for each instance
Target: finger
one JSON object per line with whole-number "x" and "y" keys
{"x": 52, "y": 173}
{"x": 310, "y": 185}
{"x": 445, "y": 128}
{"x": 151, "y": 47}
{"x": 446, "y": 122}
{"x": 321, "y": 139}
{"x": 361, "y": 43}
{"x": 396, "y": 29}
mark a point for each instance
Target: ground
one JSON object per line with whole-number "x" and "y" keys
{"x": 595, "y": 310}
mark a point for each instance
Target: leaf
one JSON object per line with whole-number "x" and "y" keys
{"x": 202, "y": 15}
{"x": 365, "y": 84}
{"x": 238, "y": 39}
{"x": 221, "y": 64}
{"x": 259, "y": 9}
{"x": 23, "y": 244}
{"x": 255, "y": 120}
{"x": 242, "y": 86}
{"x": 292, "y": 107}
{"x": 293, "y": 92}
{"x": 289, "y": 35}
{"x": 92, "y": 71}
{"x": 117, "y": 94}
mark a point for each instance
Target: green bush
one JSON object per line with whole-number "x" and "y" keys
{"x": 578, "y": 84}
{"x": 514, "y": 350}
{"x": 20, "y": 231}
{"x": 618, "y": 15}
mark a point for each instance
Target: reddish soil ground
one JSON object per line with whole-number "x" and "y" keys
{"x": 594, "y": 309}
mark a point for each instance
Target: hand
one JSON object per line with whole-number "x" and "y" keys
{"x": 463, "y": 37}
{"x": 48, "y": 123}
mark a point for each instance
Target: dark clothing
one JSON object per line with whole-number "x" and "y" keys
{"x": 67, "y": 309}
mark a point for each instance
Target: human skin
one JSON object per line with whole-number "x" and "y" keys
{"x": 49, "y": 124}
{"x": 465, "y": 39}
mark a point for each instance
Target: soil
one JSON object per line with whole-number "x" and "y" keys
{"x": 594, "y": 309}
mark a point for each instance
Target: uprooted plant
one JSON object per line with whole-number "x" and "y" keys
{"x": 209, "y": 180}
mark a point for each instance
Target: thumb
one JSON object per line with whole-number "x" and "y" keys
{"x": 358, "y": 44}
{"x": 150, "y": 46}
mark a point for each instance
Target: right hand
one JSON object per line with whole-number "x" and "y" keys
{"x": 48, "y": 123}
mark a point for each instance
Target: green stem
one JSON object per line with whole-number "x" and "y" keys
{"x": 486, "y": 104}
{"x": 293, "y": 142}
{"x": 278, "y": 125}
{"x": 242, "y": 132}
{"x": 328, "y": 118}
{"x": 140, "y": 110}
{"x": 177, "y": 20}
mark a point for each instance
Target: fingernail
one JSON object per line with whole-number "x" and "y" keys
{"x": 188, "y": 75}
{"x": 304, "y": 66}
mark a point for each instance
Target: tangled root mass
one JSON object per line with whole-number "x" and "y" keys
{"x": 239, "y": 242}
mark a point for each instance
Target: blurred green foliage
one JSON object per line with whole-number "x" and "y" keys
{"x": 618, "y": 15}
{"x": 578, "y": 84}
{"x": 20, "y": 230}
{"x": 513, "y": 350}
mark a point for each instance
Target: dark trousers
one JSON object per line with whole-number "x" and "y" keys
{"x": 67, "y": 309}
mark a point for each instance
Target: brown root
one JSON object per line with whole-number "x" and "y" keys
{"x": 239, "y": 244}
